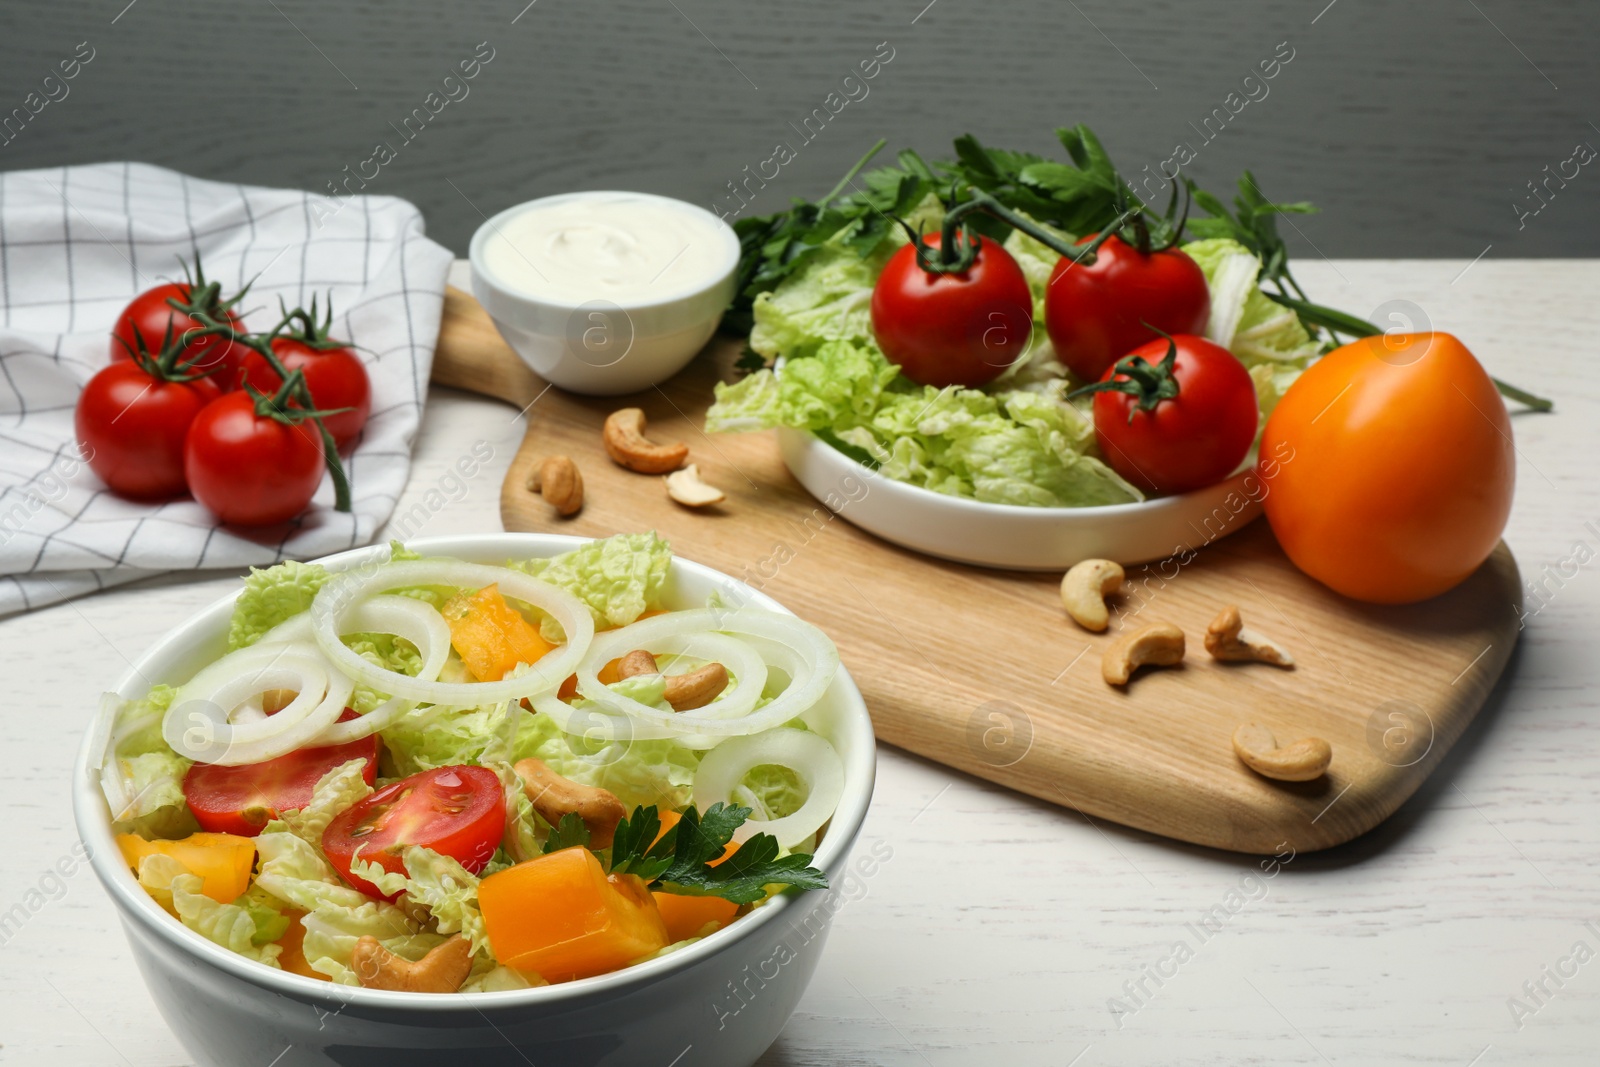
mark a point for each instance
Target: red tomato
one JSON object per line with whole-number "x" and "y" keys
{"x": 151, "y": 314}
{"x": 131, "y": 426}
{"x": 1092, "y": 313}
{"x": 250, "y": 468}
{"x": 1199, "y": 427}
{"x": 458, "y": 812}
{"x": 953, "y": 329}
{"x": 334, "y": 375}
{"x": 240, "y": 800}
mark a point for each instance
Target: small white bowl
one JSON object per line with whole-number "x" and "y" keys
{"x": 1012, "y": 536}
{"x": 726, "y": 995}
{"x": 600, "y": 347}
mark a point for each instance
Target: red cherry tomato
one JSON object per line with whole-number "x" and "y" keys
{"x": 953, "y": 329}
{"x": 131, "y": 426}
{"x": 249, "y": 468}
{"x": 335, "y": 377}
{"x": 1092, "y": 313}
{"x": 1185, "y": 441}
{"x": 458, "y": 812}
{"x": 151, "y": 314}
{"x": 240, "y": 800}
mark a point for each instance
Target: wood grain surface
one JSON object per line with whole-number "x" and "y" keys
{"x": 980, "y": 670}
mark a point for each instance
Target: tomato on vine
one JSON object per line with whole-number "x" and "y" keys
{"x": 1098, "y": 311}
{"x": 193, "y": 310}
{"x": 1176, "y": 414}
{"x": 333, "y": 371}
{"x": 256, "y": 459}
{"x": 952, "y": 318}
{"x": 133, "y": 416}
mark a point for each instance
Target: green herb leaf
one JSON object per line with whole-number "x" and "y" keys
{"x": 680, "y": 862}
{"x": 568, "y": 833}
{"x": 742, "y": 877}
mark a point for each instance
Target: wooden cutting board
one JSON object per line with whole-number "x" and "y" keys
{"x": 981, "y": 670}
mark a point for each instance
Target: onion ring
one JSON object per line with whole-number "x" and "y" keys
{"x": 405, "y": 617}
{"x": 336, "y": 603}
{"x": 807, "y": 754}
{"x": 198, "y": 724}
{"x": 802, "y": 650}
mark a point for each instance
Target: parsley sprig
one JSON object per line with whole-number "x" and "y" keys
{"x": 680, "y": 862}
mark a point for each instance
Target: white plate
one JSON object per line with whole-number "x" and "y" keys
{"x": 1012, "y": 536}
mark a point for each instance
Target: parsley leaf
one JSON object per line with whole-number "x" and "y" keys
{"x": 680, "y": 862}
{"x": 569, "y": 832}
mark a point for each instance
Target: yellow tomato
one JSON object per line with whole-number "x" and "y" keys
{"x": 1389, "y": 468}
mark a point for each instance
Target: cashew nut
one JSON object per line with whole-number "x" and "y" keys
{"x": 1158, "y": 645}
{"x": 1227, "y": 639}
{"x": 687, "y": 489}
{"x": 626, "y": 443}
{"x": 697, "y": 688}
{"x": 1299, "y": 761}
{"x": 1084, "y": 589}
{"x": 685, "y": 692}
{"x": 637, "y": 662}
{"x": 558, "y": 481}
{"x": 440, "y": 971}
{"x": 554, "y": 796}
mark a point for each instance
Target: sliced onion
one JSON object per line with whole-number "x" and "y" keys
{"x": 800, "y": 649}
{"x": 199, "y": 723}
{"x": 807, "y": 754}
{"x": 405, "y": 617}
{"x": 334, "y": 609}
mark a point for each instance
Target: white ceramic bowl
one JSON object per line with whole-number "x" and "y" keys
{"x": 599, "y": 347}
{"x": 725, "y": 997}
{"x": 1012, "y": 536}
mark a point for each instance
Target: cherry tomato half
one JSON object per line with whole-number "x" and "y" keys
{"x": 335, "y": 377}
{"x": 458, "y": 812}
{"x": 251, "y": 469}
{"x": 1095, "y": 314}
{"x": 1389, "y": 467}
{"x": 953, "y": 329}
{"x": 150, "y": 315}
{"x": 1187, "y": 441}
{"x": 240, "y": 800}
{"x": 131, "y": 427}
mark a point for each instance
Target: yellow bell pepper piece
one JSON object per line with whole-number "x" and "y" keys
{"x": 560, "y": 916}
{"x": 223, "y": 861}
{"x": 490, "y": 635}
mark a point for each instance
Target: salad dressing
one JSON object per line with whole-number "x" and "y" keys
{"x": 622, "y": 247}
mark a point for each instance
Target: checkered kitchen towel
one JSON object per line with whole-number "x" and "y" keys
{"x": 76, "y": 244}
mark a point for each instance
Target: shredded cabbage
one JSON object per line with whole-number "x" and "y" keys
{"x": 438, "y": 883}
{"x": 620, "y": 578}
{"x": 333, "y": 793}
{"x": 229, "y": 925}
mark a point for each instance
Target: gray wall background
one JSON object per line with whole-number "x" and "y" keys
{"x": 1416, "y": 127}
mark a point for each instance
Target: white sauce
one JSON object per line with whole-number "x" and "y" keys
{"x": 607, "y": 246}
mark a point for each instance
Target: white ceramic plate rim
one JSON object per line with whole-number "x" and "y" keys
{"x": 491, "y": 227}
{"x": 983, "y": 507}
{"x": 95, "y": 828}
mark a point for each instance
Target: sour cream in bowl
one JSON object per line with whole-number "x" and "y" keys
{"x": 605, "y": 293}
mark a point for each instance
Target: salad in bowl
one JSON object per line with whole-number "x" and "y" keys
{"x": 418, "y": 773}
{"x": 1039, "y": 363}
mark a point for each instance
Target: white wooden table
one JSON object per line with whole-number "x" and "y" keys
{"x": 1002, "y": 928}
